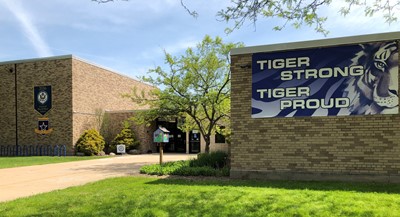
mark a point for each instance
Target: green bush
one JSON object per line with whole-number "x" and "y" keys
{"x": 90, "y": 143}
{"x": 166, "y": 168}
{"x": 212, "y": 164}
{"x": 125, "y": 137}
{"x": 216, "y": 160}
{"x": 195, "y": 171}
{"x": 183, "y": 168}
{"x": 224, "y": 172}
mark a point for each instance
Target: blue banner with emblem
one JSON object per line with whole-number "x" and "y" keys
{"x": 42, "y": 99}
{"x": 357, "y": 79}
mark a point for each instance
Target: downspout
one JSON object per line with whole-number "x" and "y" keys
{"x": 16, "y": 110}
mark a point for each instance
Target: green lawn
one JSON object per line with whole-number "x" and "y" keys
{"x": 139, "y": 196}
{"x": 9, "y": 162}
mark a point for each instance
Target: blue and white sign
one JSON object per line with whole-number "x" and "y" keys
{"x": 42, "y": 99}
{"x": 121, "y": 149}
{"x": 359, "y": 79}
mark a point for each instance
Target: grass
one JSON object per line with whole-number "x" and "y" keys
{"x": 140, "y": 196}
{"x": 10, "y": 162}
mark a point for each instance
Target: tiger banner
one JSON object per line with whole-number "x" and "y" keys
{"x": 357, "y": 79}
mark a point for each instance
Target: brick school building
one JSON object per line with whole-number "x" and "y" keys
{"x": 52, "y": 101}
{"x": 317, "y": 110}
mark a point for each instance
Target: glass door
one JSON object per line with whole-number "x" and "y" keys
{"x": 194, "y": 141}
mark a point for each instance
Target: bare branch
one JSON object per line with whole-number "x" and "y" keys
{"x": 300, "y": 12}
{"x": 192, "y": 13}
{"x": 105, "y": 1}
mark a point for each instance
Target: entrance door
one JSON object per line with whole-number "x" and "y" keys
{"x": 177, "y": 138}
{"x": 194, "y": 141}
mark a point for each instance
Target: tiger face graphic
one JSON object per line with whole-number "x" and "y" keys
{"x": 376, "y": 91}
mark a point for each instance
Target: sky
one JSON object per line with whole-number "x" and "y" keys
{"x": 129, "y": 36}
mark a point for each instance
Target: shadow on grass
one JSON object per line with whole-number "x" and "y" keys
{"x": 288, "y": 185}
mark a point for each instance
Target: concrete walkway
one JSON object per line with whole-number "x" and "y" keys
{"x": 26, "y": 181}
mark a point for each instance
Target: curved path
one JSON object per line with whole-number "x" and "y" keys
{"x": 26, "y": 181}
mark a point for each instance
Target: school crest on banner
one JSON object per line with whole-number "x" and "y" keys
{"x": 42, "y": 99}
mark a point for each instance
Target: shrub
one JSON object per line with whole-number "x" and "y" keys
{"x": 212, "y": 164}
{"x": 183, "y": 168}
{"x": 90, "y": 143}
{"x": 195, "y": 171}
{"x": 166, "y": 168}
{"x": 216, "y": 160}
{"x": 125, "y": 137}
{"x": 224, "y": 172}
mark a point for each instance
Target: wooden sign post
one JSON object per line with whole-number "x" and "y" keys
{"x": 161, "y": 153}
{"x": 161, "y": 136}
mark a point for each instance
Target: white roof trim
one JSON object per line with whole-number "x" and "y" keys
{"x": 70, "y": 56}
{"x": 37, "y": 59}
{"x": 317, "y": 43}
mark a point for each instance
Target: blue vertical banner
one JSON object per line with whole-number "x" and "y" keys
{"x": 42, "y": 99}
{"x": 357, "y": 79}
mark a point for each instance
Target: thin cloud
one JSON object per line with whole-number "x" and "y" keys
{"x": 181, "y": 46}
{"x": 157, "y": 52}
{"x": 356, "y": 19}
{"x": 28, "y": 27}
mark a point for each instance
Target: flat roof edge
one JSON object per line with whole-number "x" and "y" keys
{"x": 317, "y": 43}
{"x": 72, "y": 57}
{"x": 69, "y": 56}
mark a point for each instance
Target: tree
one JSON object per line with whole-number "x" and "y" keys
{"x": 300, "y": 12}
{"x": 196, "y": 88}
{"x": 90, "y": 142}
{"x": 105, "y": 1}
{"x": 295, "y": 12}
{"x": 125, "y": 137}
{"x": 191, "y": 12}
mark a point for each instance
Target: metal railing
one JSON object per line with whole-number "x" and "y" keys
{"x": 33, "y": 150}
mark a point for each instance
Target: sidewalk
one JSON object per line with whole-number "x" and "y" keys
{"x": 26, "y": 181}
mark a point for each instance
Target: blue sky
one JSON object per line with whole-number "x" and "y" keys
{"x": 129, "y": 36}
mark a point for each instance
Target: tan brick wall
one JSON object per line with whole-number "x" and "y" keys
{"x": 7, "y": 105}
{"x": 56, "y": 73}
{"x": 95, "y": 88}
{"x": 82, "y": 122}
{"x": 309, "y": 148}
{"x": 213, "y": 146}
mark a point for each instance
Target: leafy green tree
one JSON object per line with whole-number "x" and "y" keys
{"x": 125, "y": 137}
{"x": 90, "y": 143}
{"x": 300, "y": 12}
{"x": 295, "y": 12}
{"x": 195, "y": 87}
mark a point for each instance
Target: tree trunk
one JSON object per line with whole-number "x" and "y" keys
{"x": 207, "y": 140}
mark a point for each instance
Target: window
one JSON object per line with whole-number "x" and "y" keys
{"x": 219, "y": 138}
